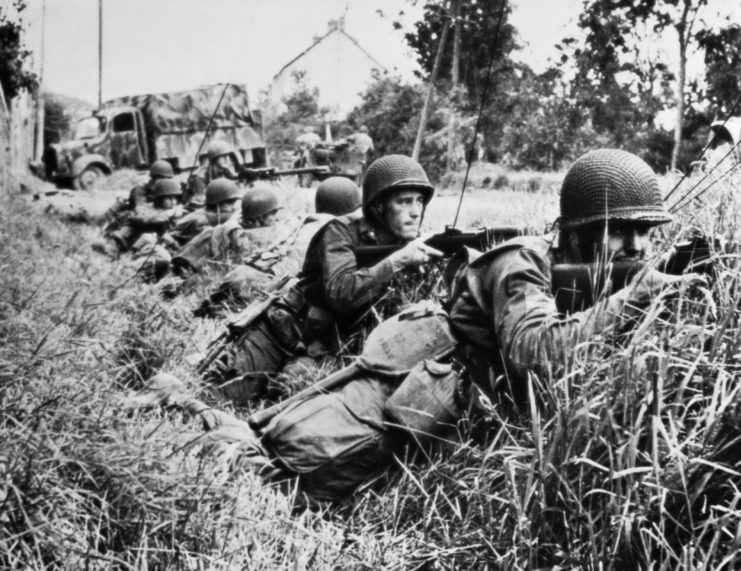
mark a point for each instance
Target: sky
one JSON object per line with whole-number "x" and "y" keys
{"x": 165, "y": 45}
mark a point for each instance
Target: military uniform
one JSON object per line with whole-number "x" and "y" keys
{"x": 504, "y": 314}
{"x": 322, "y": 311}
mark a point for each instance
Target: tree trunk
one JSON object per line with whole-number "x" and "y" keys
{"x": 683, "y": 31}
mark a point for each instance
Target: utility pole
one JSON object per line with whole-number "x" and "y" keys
{"x": 430, "y": 91}
{"x": 100, "y": 53}
{"x": 454, "y": 88}
{"x": 39, "y": 138}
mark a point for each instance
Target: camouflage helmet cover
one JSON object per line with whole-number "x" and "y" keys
{"x": 609, "y": 184}
{"x": 337, "y": 195}
{"x": 161, "y": 169}
{"x": 166, "y": 187}
{"x": 258, "y": 201}
{"x": 394, "y": 172}
{"x": 222, "y": 190}
{"x": 219, "y": 148}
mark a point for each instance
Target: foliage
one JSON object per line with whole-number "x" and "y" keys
{"x": 14, "y": 58}
{"x": 479, "y": 19}
{"x": 56, "y": 120}
{"x": 722, "y": 52}
{"x": 630, "y": 461}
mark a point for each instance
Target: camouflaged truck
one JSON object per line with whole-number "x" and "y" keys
{"x": 134, "y": 131}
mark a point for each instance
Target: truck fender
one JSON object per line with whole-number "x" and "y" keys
{"x": 81, "y": 163}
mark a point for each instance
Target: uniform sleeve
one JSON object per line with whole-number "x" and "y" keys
{"x": 533, "y": 335}
{"x": 148, "y": 219}
{"x": 348, "y": 288}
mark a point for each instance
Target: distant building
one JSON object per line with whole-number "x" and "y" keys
{"x": 335, "y": 63}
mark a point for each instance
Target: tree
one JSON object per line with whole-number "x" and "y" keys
{"x": 56, "y": 120}
{"x": 14, "y": 58}
{"x": 722, "y": 50}
{"x": 479, "y": 20}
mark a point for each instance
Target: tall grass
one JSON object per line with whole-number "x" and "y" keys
{"x": 629, "y": 460}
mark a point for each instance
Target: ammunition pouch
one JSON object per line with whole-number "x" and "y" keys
{"x": 426, "y": 402}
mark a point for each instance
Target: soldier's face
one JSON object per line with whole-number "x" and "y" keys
{"x": 224, "y": 162}
{"x": 168, "y": 202}
{"x": 619, "y": 241}
{"x": 403, "y": 213}
{"x": 226, "y": 210}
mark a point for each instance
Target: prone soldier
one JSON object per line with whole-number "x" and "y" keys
{"x": 222, "y": 162}
{"x": 231, "y": 240}
{"x": 319, "y": 313}
{"x": 155, "y": 219}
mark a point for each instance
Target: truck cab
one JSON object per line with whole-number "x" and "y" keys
{"x": 111, "y": 138}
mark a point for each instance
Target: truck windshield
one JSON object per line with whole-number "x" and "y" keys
{"x": 88, "y": 128}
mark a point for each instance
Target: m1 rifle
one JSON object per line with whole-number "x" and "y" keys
{"x": 577, "y": 286}
{"x": 239, "y": 323}
{"x": 250, "y": 175}
{"x": 448, "y": 242}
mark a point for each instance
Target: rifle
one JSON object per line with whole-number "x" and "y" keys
{"x": 249, "y": 175}
{"x": 448, "y": 242}
{"x": 577, "y": 286}
{"x": 237, "y": 325}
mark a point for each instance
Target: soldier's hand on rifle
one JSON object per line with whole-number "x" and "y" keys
{"x": 416, "y": 253}
{"x": 649, "y": 284}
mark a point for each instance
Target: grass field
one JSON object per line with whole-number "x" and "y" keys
{"x": 630, "y": 460}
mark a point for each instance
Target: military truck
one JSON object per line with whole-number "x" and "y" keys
{"x": 134, "y": 131}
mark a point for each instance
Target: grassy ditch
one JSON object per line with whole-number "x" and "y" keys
{"x": 629, "y": 460}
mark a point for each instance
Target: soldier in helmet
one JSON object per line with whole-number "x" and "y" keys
{"x": 220, "y": 204}
{"x": 222, "y": 163}
{"x": 233, "y": 239}
{"x": 259, "y": 207}
{"x": 158, "y": 170}
{"x": 148, "y": 220}
{"x": 333, "y": 291}
{"x": 335, "y": 196}
{"x": 503, "y": 309}
{"x": 140, "y": 195}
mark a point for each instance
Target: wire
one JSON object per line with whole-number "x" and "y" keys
{"x": 210, "y": 122}
{"x": 469, "y": 158}
{"x": 702, "y": 153}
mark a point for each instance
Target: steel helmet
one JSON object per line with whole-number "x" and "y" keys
{"x": 161, "y": 169}
{"x": 608, "y": 184}
{"x": 219, "y": 148}
{"x": 337, "y": 195}
{"x": 394, "y": 172}
{"x": 258, "y": 201}
{"x": 222, "y": 190}
{"x": 166, "y": 187}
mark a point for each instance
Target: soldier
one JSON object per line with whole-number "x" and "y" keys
{"x": 142, "y": 193}
{"x": 503, "y": 309}
{"x": 222, "y": 163}
{"x": 221, "y": 198}
{"x": 220, "y": 204}
{"x": 335, "y": 196}
{"x": 324, "y": 309}
{"x": 362, "y": 141}
{"x": 231, "y": 240}
{"x": 146, "y": 218}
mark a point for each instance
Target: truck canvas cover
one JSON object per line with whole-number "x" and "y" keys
{"x": 176, "y": 121}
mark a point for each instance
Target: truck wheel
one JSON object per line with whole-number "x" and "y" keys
{"x": 89, "y": 178}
